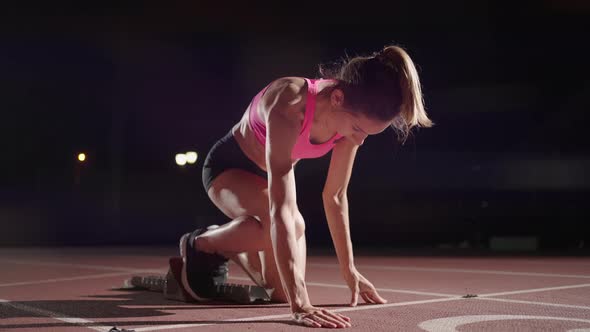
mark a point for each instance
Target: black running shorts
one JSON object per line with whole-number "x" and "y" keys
{"x": 227, "y": 154}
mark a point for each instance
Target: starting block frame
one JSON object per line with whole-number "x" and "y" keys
{"x": 172, "y": 288}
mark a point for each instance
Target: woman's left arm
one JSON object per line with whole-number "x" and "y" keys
{"x": 335, "y": 201}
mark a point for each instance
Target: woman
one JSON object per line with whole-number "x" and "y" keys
{"x": 249, "y": 176}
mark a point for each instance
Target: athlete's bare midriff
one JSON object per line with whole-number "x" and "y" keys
{"x": 248, "y": 143}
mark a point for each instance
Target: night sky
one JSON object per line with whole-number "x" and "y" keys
{"x": 507, "y": 85}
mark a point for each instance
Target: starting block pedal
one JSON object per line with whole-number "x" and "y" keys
{"x": 115, "y": 329}
{"x": 171, "y": 286}
{"x": 243, "y": 294}
{"x": 151, "y": 283}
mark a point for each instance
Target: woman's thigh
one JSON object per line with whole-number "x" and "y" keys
{"x": 239, "y": 193}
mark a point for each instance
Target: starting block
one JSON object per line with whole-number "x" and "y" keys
{"x": 171, "y": 286}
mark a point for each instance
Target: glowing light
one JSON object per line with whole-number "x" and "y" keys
{"x": 81, "y": 157}
{"x": 191, "y": 157}
{"x": 180, "y": 159}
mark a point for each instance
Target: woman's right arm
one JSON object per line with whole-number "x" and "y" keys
{"x": 282, "y": 130}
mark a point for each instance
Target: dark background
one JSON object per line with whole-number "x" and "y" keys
{"x": 131, "y": 85}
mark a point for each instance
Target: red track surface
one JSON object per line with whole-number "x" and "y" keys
{"x": 71, "y": 289}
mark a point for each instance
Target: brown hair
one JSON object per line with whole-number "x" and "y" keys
{"x": 384, "y": 86}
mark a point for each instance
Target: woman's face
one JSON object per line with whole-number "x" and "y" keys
{"x": 355, "y": 126}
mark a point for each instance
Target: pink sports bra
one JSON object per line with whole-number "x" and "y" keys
{"x": 303, "y": 148}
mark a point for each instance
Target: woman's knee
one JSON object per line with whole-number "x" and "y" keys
{"x": 203, "y": 243}
{"x": 209, "y": 240}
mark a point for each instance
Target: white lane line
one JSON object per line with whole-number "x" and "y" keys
{"x": 565, "y": 263}
{"x": 426, "y": 269}
{"x": 123, "y": 270}
{"x": 534, "y": 290}
{"x": 378, "y": 289}
{"x": 451, "y": 324}
{"x": 404, "y": 268}
{"x": 282, "y": 316}
{"x": 55, "y": 315}
{"x": 81, "y": 266}
{"x": 533, "y": 302}
{"x": 93, "y": 276}
{"x": 362, "y": 266}
{"x": 386, "y": 290}
{"x": 169, "y": 327}
{"x": 522, "y": 291}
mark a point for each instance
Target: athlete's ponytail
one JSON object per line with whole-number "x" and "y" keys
{"x": 384, "y": 86}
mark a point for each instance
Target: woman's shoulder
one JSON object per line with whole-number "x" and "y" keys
{"x": 288, "y": 87}
{"x": 285, "y": 94}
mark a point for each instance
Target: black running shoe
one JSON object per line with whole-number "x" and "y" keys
{"x": 201, "y": 272}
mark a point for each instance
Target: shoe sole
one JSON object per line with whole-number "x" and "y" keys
{"x": 183, "y": 275}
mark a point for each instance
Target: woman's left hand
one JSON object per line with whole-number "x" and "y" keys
{"x": 358, "y": 284}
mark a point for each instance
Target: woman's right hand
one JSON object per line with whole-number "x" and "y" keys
{"x": 318, "y": 317}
